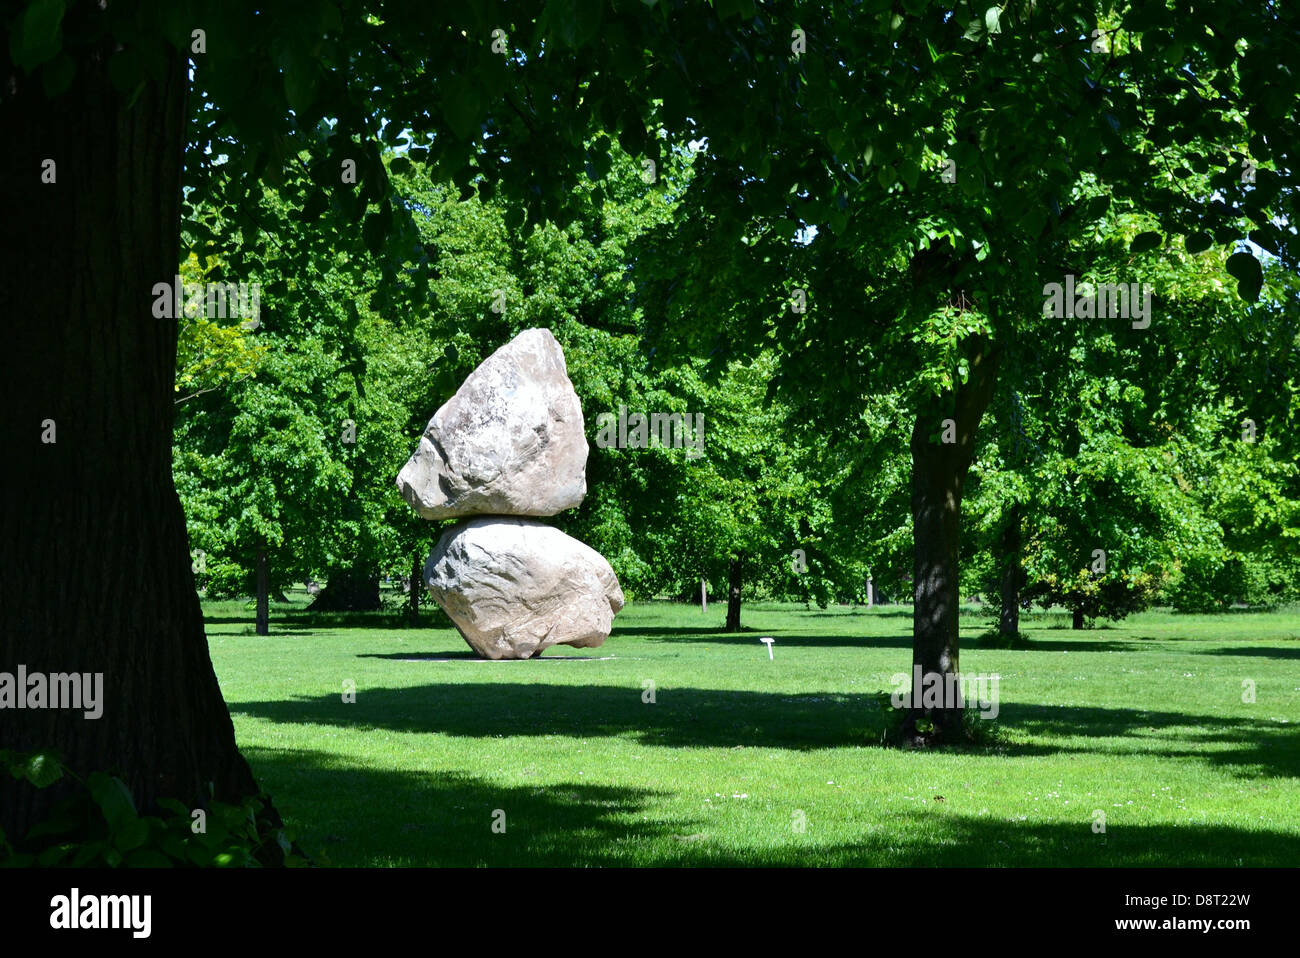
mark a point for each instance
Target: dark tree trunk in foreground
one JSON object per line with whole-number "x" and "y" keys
{"x": 263, "y": 594}
{"x": 1076, "y": 622}
{"x": 417, "y": 572}
{"x": 350, "y": 590}
{"x": 95, "y": 574}
{"x": 938, "y": 472}
{"x": 733, "y": 594}
{"x": 1009, "y": 622}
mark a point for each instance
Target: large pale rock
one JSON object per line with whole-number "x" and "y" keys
{"x": 514, "y": 587}
{"x": 510, "y": 442}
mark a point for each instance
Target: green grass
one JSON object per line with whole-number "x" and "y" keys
{"x": 1143, "y": 721}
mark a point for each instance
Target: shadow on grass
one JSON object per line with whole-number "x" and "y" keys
{"x": 862, "y": 612}
{"x": 1036, "y": 644}
{"x": 465, "y": 655}
{"x": 1262, "y": 651}
{"x": 445, "y": 819}
{"x": 1256, "y": 747}
{"x": 802, "y": 640}
{"x": 378, "y": 619}
{"x": 751, "y": 637}
{"x": 720, "y": 718}
{"x": 679, "y": 717}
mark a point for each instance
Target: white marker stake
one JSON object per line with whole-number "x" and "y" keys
{"x": 766, "y": 640}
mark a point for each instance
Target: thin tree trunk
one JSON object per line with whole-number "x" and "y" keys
{"x": 1076, "y": 621}
{"x": 938, "y": 472}
{"x": 733, "y": 594}
{"x": 263, "y": 594}
{"x": 1009, "y": 622}
{"x": 417, "y": 570}
{"x": 95, "y": 574}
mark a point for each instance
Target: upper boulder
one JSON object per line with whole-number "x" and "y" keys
{"x": 510, "y": 442}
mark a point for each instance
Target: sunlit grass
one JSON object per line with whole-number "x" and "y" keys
{"x": 1143, "y": 721}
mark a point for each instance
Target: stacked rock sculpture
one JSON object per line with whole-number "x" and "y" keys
{"x": 511, "y": 444}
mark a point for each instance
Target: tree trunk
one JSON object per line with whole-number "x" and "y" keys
{"x": 938, "y": 472}
{"x": 733, "y": 594}
{"x": 417, "y": 570}
{"x": 263, "y": 594}
{"x": 95, "y": 574}
{"x": 1076, "y": 622}
{"x": 1009, "y": 622}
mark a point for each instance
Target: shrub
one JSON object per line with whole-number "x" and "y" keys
{"x": 97, "y": 825}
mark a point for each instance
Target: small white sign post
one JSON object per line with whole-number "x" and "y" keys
{"x": 768, "y": 640}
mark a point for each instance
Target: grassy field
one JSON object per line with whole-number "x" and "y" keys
{"x": 1143, "y": 721}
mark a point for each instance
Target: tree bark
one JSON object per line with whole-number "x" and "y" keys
{"x": 938, "y": 472}
{"x": 1076, "y": 621}
{"x": 1009, "y": 622}
{"x": 263, "y": 594}
{"x": 95, "y": 575}
{"x": 733, "y": 594}
{"x": 417, "y": 570}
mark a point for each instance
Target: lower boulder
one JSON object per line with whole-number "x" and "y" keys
{"x": 514, "y": 587}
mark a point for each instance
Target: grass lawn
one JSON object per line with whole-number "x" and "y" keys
{"x": 1142, "y": 721}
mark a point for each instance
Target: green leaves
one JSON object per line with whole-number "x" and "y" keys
{"x": 1145, "y": 242}
{"x": 97, "y": 825}
{"x": 126, "y": 73}
{"x": 789, "y": 145}
{"x": 515, "y": 217}
{"x": 1249, "y": 275}
{"x": 461, "y": 108}
{"x": 300, "y": 84}
{"x": 598, "y": 158}
{"x": 575, "y": 23}
{"x": 57, "y": 74}
{"x": 42, "y": 769}
{"x": 374, "y": 231}
{"x": 37, "y": 37}
{"x": 114, "y": 800}
{"x": 977, "y": 28}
